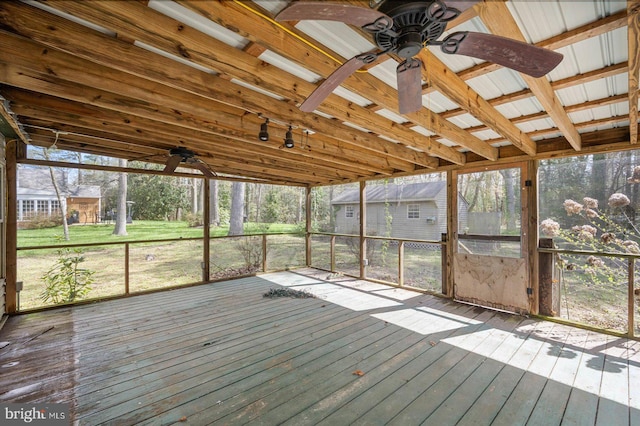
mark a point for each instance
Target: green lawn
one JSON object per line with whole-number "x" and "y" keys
{"x": 138, "y": 231}
{"x": 156, "y": 264}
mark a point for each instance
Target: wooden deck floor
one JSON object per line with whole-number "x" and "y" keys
{"x": 359, "y": 353}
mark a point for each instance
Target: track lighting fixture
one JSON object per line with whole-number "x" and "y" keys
{"x": 288, "y": 140}
{"x": 264, "y": 131}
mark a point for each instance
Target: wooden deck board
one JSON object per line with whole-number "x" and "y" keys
{"x": 224, "y": 354}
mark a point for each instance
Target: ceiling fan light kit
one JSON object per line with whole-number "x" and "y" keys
{"x": 403, "y": 28}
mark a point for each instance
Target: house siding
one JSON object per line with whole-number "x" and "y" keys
{"x": 402, "y": 226}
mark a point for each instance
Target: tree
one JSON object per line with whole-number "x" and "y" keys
{"x": 157, "y": 197}
{"x": 213, "y": 203}
{"x": 510, "y": 198}
{"x": 61, "y": 201}
{"x": 121, "y": 216}
{"x": 236, "y": 220}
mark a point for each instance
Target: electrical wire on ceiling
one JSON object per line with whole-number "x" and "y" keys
{"x": 57, "y": 134}
{"x": 292, "y": 34}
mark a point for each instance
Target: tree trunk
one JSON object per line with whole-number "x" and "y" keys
{"x": 194, "y": 196}
{"x": 121, "y": 215}
{"x": 510, "y": 198}
{"x": 236, "y": 220}
{"x": 599, "y": 180}
{"x": 213, "y": 203}
{"x": 61, "y": 201}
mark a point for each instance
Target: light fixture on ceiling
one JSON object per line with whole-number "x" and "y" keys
{"x": 288, "y": 140}
{"x": 264, "y": 131}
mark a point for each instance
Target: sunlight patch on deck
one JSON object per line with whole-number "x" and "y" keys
{"x": 425, "y": 320}
{"x": 340, "y": 295}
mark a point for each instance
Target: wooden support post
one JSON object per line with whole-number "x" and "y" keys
{"x": 529, "y": 232}
{"x": 12, "y": 227}
{"x": 126, "y": 268}
{"x": 549, "y": 291}
{"x": 631, "y": 297}
{"x": 443, "y": 262}
{"x": 308, "y": 227}
{"x": 206, "y": 229}
{"x": 401, "y": 263}
{"x": 452, "y": 230}
{"x": 363, "y": 230}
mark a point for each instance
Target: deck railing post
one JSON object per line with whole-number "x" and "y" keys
{"x": 401, "y": 263}
{"x": 126, "y": 268}
{"x": 264, "y": 252}
{"x": 631, "y": 296}
{"x": 332, "y": 253}
{"x": 549, "y": 298}
{"x": 443, "y": 261}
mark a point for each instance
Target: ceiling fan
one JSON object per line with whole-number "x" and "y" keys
{"x": 405, "y": 27}
{"x": 183, "y": 155}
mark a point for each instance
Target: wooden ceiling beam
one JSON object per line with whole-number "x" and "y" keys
{"x": 77, "y": 40}
{"x": 121, "y": 125}
{"x": 231, "y": 165}
{"x": 246, "y": 131}
{"x": 587, "y": 77}
{"x": 437, "y": 74}
{"x": 33, "y": 71}
{"x": 499, "y": 21}
{"x": 611, "y": 100}
{"x": 160, "y": 32}
{"x": 633, "y": 35}
{"x": 240, "y": 20}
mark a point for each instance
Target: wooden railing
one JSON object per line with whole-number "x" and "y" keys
{"x": 253, "y": 257}
{"x": 552, "y": 280}
{"x": 376, "y": 267}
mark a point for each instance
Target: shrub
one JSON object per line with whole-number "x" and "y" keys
{"x": 41, "y": 221}
{"x": 66, "y": 281}
{"x": 194, "y": 220}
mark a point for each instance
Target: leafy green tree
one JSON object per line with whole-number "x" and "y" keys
{"x": 156, "y": 197}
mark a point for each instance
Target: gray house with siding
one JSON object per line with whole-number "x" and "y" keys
{"x": 412, "y": 211}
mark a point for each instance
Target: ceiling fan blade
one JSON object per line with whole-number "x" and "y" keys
{"x": 369, "y": 19}
{"x": 409, "y": 85}
{"x": 172, "y": 164}
{"x": 517, "y": 55}
{"x": 333, "y": 81}
{"x": 204, "y": 168}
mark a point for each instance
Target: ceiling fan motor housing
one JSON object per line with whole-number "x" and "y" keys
{"x": 415, "y": 24}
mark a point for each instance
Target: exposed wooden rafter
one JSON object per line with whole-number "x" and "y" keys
{"x": 134, "y": 79}
{"x": 499, "y": 20}
{"x": 633, "y": 31}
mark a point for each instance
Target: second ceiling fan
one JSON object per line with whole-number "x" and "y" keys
{"x": 404, "y": 28}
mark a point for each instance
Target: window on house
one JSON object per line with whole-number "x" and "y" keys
{"x": 28, "y": 208}
{"x": 43, "y": 206}
{"x": 348, "y": 212}
{"x": 413, "y": 211}
{"x": 55, "y": 206}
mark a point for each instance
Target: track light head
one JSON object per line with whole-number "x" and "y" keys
{"x": 264, "y": 131}
{"x": 288, "y": 140}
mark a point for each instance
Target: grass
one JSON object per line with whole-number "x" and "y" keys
{"x": 152, "y": 265}
{"x": 138, "y": 231}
